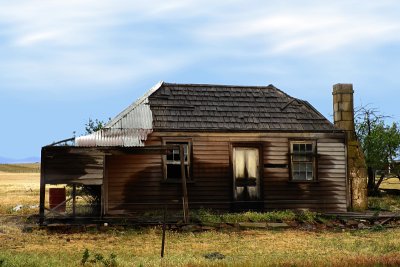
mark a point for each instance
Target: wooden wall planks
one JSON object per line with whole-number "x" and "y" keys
{"x": 139, "y": 178}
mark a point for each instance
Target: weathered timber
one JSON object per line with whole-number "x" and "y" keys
{"x": 132, "y": 179}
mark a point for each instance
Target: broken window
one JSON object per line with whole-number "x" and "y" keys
{"x": 172, "y": 166}
{"x": 302, "y": 161}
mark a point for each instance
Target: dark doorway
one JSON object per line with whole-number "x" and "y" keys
{"x": 246, "y": 177}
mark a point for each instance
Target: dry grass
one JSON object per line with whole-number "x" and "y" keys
{"x": 391, "y": 183}
{"x": 245, "y": 248}
{"x": 20, "y": 168}
{"x": 19, "y": 189}
{"x": 141, "y": 247}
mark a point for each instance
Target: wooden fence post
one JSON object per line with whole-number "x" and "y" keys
{"x": 163, "y": 232}
{"x": 42, "y": 187}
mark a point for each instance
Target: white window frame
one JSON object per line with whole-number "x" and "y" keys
{"x": 303, "y": 161}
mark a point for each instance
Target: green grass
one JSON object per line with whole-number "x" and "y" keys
{"x": 208, "y": 216}
{"x": 20, "y": 168}
{"x": 385, "y": 202}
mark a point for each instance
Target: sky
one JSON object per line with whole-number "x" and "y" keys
{"x": 63, "y": 62}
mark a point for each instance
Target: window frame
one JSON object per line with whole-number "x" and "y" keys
{"x": 314, "y": 159}
{"x": 165, "y": 161}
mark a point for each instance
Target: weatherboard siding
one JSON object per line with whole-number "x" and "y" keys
{"x": 135, "y": 182}
{"x": 64, "y": 165}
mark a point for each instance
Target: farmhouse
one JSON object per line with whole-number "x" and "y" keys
{"x": 223, "y": 147}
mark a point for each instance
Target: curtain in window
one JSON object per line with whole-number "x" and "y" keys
{"x": 246, "y": 161}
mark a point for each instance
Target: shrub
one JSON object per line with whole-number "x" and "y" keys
{"x": 111, "y": 261}
{"x": 378, "y": 227}
{"x": 85, "y": 256}
{"x": 307, "y": 216}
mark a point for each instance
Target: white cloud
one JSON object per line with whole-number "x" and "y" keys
{"x": 306, "y": 30}
{"x": 35, "y": 38}
{"x": 75, "y": 44}
{"x": 100, "y": 42}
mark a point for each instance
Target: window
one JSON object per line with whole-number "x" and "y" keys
{"x": 172, "y": 161}
{"x": 302, "y": 161}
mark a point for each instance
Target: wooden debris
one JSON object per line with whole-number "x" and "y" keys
{"x": 278, "y": 225}
{"x": 252, "y": 225}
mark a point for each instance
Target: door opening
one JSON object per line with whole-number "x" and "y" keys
{"x": 246, "y": 177}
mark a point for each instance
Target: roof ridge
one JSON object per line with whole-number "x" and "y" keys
{"x": 220, "y": 85}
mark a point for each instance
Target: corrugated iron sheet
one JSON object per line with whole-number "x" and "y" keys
{"x": 127, "y": 129}
{"x": 114, "y": 137}
{"x": 136, "y": 116}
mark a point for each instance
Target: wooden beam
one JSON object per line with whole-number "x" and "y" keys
{"x": 156, "y": 150}
{"x": 184, "y": 186}
{"x": 59, "y": 205}
{"x": 56, "y": 212}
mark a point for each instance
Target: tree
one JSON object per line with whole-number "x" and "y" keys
{"x": 380, "y": 143}
{"x": 94, "y": 126}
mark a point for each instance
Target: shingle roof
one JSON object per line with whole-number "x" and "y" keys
{"x": 236, "y": 108}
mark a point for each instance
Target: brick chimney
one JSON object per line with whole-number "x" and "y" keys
{"x": 343, "y": 114}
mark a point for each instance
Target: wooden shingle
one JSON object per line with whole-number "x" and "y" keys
{"x": 236, "y": 108}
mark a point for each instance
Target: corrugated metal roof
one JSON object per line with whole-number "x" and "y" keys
{"x": 114, "y": 137}
{"x": 138, "y": 115}
{"x": 128, "y": 129}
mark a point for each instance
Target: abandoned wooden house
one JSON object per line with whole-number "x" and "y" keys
{"x": 214, "y": 146}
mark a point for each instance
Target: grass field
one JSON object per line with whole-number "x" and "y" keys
{"x": 20, "y": 168}
{"x": 19, "y": 189}
{"x": 244, "y": 248}
{"x": 22, "y": 246}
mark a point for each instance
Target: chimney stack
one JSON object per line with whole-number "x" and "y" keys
{"x": 343, "y": 107}
{"x": 343, "y": 113}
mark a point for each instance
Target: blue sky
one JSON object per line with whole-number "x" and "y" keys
{"x": 63, "y": 62}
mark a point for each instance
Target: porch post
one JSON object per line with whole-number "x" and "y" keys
{"x": 184, "y": 187}
{"x": 73, "y": 200}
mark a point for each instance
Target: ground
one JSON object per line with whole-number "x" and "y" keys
{"x": 24, "y": 244}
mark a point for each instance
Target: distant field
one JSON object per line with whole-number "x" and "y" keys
{"x": 19, "y": 189}
{"x": 20, "y": 168}
{"x": 392, "y": 183}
